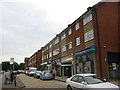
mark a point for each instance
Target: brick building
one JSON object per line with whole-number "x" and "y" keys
{"x": 88, "y": 45}
{"x": 34, "y": 61}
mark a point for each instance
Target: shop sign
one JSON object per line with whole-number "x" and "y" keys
{"x": 55, "y": 61}
{"x": 91, "y": 49}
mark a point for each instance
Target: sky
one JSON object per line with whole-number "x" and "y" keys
{"x": 28, "y": 25}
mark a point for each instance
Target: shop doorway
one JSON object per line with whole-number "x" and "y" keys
{"x": 113, "y": 65}
{"x": 67, "y": 71}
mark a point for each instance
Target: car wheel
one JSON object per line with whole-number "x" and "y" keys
{"x": 69, "y": 87}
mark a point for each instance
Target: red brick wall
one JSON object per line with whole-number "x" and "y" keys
{"x": 107, "y": 14}
{"x": 73, "y": 36}
{"x": 38, "y": 58}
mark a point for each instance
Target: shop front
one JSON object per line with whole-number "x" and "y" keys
{"x": 85, "y": 60}
{"x": 67, "y": 66}
{"x": 113, "y": 59}
{"x": 57, "y": 65}
{"x": 43, "y": 66}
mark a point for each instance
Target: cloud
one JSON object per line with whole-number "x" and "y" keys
{"x": 27, "y": 25}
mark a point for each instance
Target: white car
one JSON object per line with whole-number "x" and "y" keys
{"x": 32, "y": 72}
{"x": 87, "y": 82}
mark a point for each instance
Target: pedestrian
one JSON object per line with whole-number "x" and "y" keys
{"x": 7, "y": 77}
{"x": 54, "y": 73}
{"x": 12, "y": 76}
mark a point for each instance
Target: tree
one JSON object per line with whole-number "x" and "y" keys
{"x": 5, "y": 65}
{"x": 16, "y": 66}
{"x": 22, "y": 66}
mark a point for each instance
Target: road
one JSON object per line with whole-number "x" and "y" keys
{"x": 31, "y": 82}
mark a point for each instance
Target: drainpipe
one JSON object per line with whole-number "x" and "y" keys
{"x": 98, "y": 37}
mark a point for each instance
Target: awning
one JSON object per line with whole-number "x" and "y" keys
{"x": 86, "y": 51}
{"x": 44, "y": 63}
{"x": 66, "y": 65}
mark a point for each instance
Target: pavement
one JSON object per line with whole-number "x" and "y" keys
{"x": 19, "y": 84}
{"x": 62, "y": 79}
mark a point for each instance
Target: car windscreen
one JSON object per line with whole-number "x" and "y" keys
{"x": 93, "y": 80}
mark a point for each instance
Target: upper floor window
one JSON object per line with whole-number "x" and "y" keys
{"x": 50, "y": 45}
{"x": 87, "y": 19}
{"x": 77, "y": 26}
{"x": 47, "y": 56}
{"x": 70, "y": 45}
{"x": 56, "y": 41}
{"x": 70, "y": 31}
{"x": 47, "y": 47}
{"x": 89, "y": 35}
{"x": 63, "y": 48}
{"x": 56, "y": 51}
{"x": 77, "y": 41}
{"x": 50, "y": 54}
{"x": 63, "y": 36}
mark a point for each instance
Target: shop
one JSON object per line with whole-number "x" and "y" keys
{"x": 57, "y": 65}
{"x": 113, "y": 64}
{"x": 85, "y": 60}
{"x": 67, "y": 66}
{"x": 43, "y": 66}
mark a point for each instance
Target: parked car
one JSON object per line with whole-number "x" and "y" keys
{"x": 16, "y": 72}
{"x": 46, "y": 75}
{"x": 37, "y": 74}
{"x": 32, "y": 72}
{"x": 88, "y": 81}
{"x": 26, "y": 72}
{"x": 21, "y": 71}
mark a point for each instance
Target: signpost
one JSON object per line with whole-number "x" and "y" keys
{"x": 12, "y": 63}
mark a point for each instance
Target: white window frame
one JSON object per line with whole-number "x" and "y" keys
{"x": 56, "y": 52}
{"x": 70, "y": 31}
{"x": 63, "y": 36}
{"x": 70, "y": 45}
{"x": 77, "y": 41}
{"x": 87, "y": 19}
{"x": 50, "y": 45}
{"x": 64, "y": 48}
{"x": 56, "y": 41}
{"x": 50, "y": 54}
{"x": 89, "y": 35}
{"x": 77, "y": 26}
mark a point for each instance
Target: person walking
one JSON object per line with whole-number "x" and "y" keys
{"x": 7, "y": 77}
{"x": 54, "y": 73}
{"x": 12, "y": 76}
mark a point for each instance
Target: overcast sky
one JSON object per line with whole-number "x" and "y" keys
{"x": 27, "y": 25}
